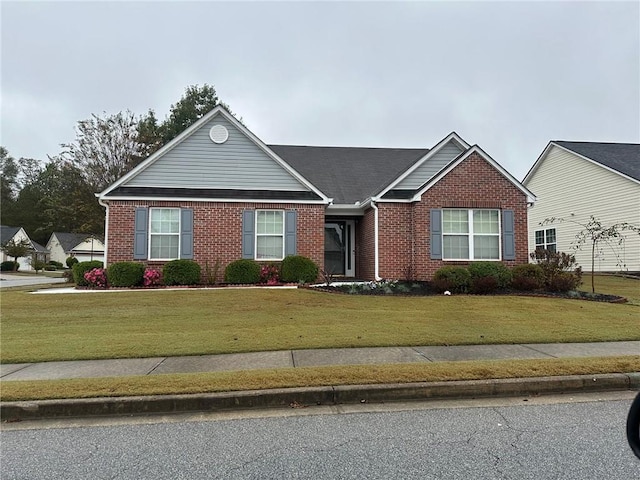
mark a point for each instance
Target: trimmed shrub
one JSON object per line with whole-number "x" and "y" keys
{"x": 80, "y": 268}
{"x": 71, "y": 261}
{"x": 181, "y": 272}
{"x": 242, "y": 271}
{"x": 53, "y": 263}
{"x": 563, "y": 282}
{"x": 125, "y": 274}
{"x": 299, "y": 269}
{"x": 527, "y": 277}
{"x": 480, "y": 271}
{"x": 555, "y": 264}
{"x": 38, "y": 265}
{"x": 9, "y": 266}
{"x": 451, "y": 278}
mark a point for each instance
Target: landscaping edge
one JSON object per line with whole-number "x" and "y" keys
{"x": 328, "y": 395}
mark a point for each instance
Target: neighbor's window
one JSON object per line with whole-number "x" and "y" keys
{"x": 269, "y": 235}
{"x": 546, "y": 239}
{"x": 471, "y": 234}
{"x": 164, "y": 233}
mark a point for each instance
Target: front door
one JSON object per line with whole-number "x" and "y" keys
{"x": 339, "y": 248}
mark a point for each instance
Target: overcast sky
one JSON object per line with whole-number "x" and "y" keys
{"x": 507, "y": 76}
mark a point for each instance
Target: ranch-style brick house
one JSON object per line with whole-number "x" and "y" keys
{"x": 216, "y": 193}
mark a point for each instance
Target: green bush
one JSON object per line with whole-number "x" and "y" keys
{"x": 452, "y": 279}
{"x": 558, "y": 264}
{"x": 53, "y": 263}
{"x": 242, "y": 271}
{"x": 296, "y": 268}
{"x": 38, "y": 265}
{"x": 181, "y": 272}
{"x": 125, "y": 274}
{"x": 71, "y": 261}
{"x": 527, "y": 277}
{"x": 9, "y": 266}
{"x": 497, "y": 271}
{"x": 80, "y": 268}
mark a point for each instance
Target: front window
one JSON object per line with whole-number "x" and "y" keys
{"x": 546, "y": 239}
{"x": 164, "y": 233}
{"x": 471, "y": 234}
{"x": 269, "y": 235}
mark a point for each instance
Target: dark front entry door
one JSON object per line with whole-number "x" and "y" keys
{"x": 339, "y": 247}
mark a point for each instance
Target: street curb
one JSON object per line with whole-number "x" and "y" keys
{"x": 330, "y": 395}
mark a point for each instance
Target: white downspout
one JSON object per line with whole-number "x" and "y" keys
{"x": 376, "y": 263}
{"x": 106, "y": 228}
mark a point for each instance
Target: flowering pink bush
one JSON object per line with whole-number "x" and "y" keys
{"x": 96, "y": 278}
{"x": 269, "y": 274}
{"x": 151, "y": 278}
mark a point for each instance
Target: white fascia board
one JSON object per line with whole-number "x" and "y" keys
{"x": 537, "y": 163}
{"x": 345, "y": 209}
{"x": 438, "y": 146}
{"x": 476, "y": 149}
{"x": 189, "y": 131}
{"x": 595, "y": 162}
{"x": 216, "y": 200}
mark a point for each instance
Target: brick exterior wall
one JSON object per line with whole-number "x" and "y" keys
{"x": 217, "y": 234}
{"x": 404, "y": 243}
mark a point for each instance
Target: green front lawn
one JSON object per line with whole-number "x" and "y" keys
{"x": 194, "y": 322}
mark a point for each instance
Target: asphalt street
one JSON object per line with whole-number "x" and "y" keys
{"x": 524, "y": 438}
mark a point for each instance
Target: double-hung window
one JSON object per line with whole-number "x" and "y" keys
{"x": 269, "y": 234}
{"x": 546, "y": 239}
{"x": 164, "y": 233}
{"x": 470, "y": 234}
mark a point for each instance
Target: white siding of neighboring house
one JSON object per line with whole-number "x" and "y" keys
{"x": 569, "y": 187}
{"x": 24, "y": 262}
{"x": 428, "y": 169}
{"x": 83, "y": 251}
{"x": 57, "y": 252}
{"x": 198, "y": 162}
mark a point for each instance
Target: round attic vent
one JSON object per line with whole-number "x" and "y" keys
{"x": 218, "y": 134}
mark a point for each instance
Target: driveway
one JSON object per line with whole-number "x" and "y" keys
{"x": 12, "y": 280}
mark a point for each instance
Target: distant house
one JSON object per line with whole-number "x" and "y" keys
{"x": 17, "y": 234}
{"x": 216, "y": 193}
{"x": 574, "y": 180}
{"x": 84, "y": 247}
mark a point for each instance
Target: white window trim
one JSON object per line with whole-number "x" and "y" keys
{"x": 154, "y": 234}
{"x": 470, "y": 234}
{"x": 545, "y": 244}
{"x": 255, "y": 253}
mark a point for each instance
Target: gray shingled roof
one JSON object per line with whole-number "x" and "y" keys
{"x": 7, "y": 233}
{"x": 70, "y": 240}
{"x": 349, "y": 174}
{"x": 621, "y": 157}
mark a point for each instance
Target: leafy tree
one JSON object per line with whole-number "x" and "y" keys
{"x": 17, "y": 249}
{"x": 8, "y": 185}
{"x": 195, "y": 103}
{"x": 599, "y": 237}
{"x": 105, "y": 148}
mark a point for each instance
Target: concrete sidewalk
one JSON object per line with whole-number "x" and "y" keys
{"x": 308, "y": 358}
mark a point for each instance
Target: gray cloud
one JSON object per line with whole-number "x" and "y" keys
{"x": 507, "y": 76}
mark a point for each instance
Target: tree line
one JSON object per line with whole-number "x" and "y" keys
{"x": 59, "y": 194}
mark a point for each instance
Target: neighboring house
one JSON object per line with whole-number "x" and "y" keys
{"x": 575, "y": 180}
{"x": 83, "y": 246}
{"x": 217, "y": 193}
{"x": 17, "y": 234}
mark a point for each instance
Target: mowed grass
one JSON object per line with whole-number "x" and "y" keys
{"x": 613, "y": 285}
{"x": 312, "y": 377}
{"x": 192, "y": 322}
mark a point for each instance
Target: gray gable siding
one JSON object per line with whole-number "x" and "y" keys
{"x": 197, "y": 162}
{"x": 428, "y": 169}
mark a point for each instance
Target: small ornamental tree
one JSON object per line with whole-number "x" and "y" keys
{"x": 17, "y": 249}
{"x": 598, "y": 237}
